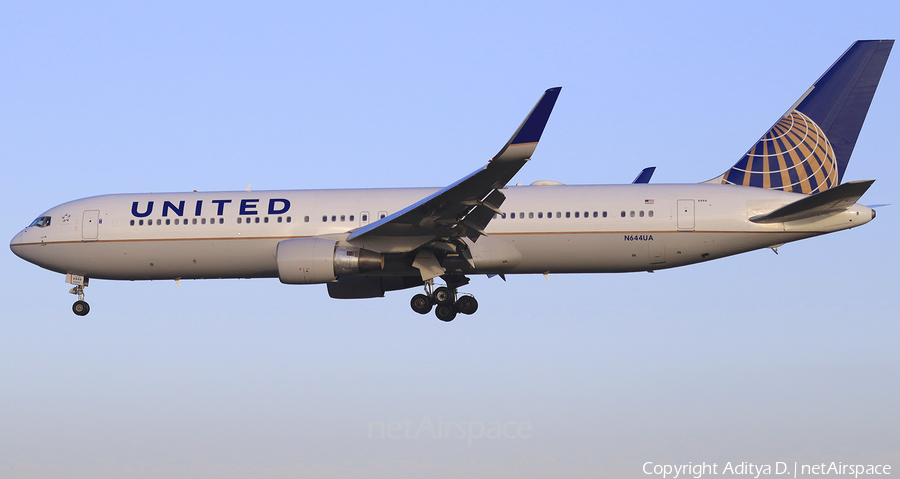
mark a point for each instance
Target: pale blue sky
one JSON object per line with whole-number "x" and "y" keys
{"x": 758, "y": 358}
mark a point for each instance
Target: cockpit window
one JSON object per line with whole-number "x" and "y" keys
{"x": 41, "y": 222}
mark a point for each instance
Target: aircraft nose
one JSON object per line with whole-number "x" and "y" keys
{"x": 16, "y": 241}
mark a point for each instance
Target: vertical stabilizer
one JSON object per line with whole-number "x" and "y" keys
{"x": 808, "y": 149}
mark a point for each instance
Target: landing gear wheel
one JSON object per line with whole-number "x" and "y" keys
{"x": 443, "y": 296}
{"x": 466, "y": 304}
{"x": 445, "y": 312}
{"x": 421, "y": 304}
{"x": 81, "y": 308}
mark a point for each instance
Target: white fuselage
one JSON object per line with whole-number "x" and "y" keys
{"x": 556, "y": 229}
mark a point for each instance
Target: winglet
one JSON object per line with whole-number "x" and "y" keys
{"x": 466, "y": 206}
{"x": 644, "y": 176}
{"x": 523, "y": 142}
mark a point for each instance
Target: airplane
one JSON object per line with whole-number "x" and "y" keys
{"x": 362, "y": 243}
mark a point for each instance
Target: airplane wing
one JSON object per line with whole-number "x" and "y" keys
{"x": 464, "y": 208}
{"x": 830, "y": 201}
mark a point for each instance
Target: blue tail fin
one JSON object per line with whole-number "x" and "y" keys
{"x": 808, "y": 149}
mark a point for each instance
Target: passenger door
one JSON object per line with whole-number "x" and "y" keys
{"x": 89, "y": 222}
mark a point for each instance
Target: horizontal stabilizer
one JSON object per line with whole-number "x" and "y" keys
{"x": 830, "y": 201}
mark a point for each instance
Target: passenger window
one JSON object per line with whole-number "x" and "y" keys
{"x": 540, "y": 214}
{"x": 176, "y": 221}
{"x": 305, "y": 219}
{"x": 365, "y": 217}
{"x": 641, "y": 214}
{"x": 194, "y": 221}
{"x": 586, "y": 214}
{"x": 168, "y": 222}
{"x": 568, "y": 215}
{"x": 239, "y": 220}
{"x": 351, "y": 217}
{"x": 530, "y": 215}
{"x": 256, "y": 220}
{"x": 650, "y": 213}
{"x": 623, "y": 214}
{"x": 221, "y": 221}
{"x": 158, "y": 222}
{"x": 604, "y": 214}
{"x": 343, "y": 218}
{"x": 632, "y": 214}
{"x": 132, "y": 222}
{"x": 289, "y": 219}
{"x": 382, "y": 216}
{"x": 279, "y": 219}
{"x": 558, "y": 214}
{"x": 202, "y": 221}
{"x": 503, "y": 216}
{"x": 512, "y": 216}
{"x": 576, "y": 214}
{"x": 324, "y": 219}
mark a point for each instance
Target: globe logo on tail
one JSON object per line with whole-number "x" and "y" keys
{"x": 794, "y": 155}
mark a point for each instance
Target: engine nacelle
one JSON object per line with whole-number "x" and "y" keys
{"x": 319, "y": 260}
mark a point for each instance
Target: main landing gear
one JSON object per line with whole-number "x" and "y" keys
{"x": 446, "y": 300}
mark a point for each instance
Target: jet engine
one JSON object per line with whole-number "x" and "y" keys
{"x": 319, "y": 260}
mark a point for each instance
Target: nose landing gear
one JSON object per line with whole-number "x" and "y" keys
{"x": 81, "y": 308}
{"x": 446, "y": 299}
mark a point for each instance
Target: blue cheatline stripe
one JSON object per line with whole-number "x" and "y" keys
{"x": 533, "y": 128}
